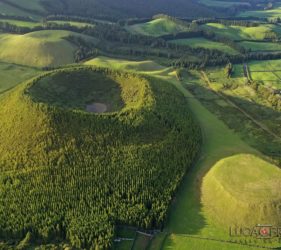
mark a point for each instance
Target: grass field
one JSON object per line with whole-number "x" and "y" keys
{"x": 241, "y": 33}
{"x": 205, "y": 43}
{"x": 141, "y": 242}
{"x": 157, "y": 27}
{"x": 268, "y": 72}
{"x": 261, "y": 46}
{"x": 250, "y": 184}
{"x": 179, "y": 242}
{"x": 72, "y": 23}
{"x": 188, "y": 215}
{"x": 40, "y": 48}
{"x": 20, "y": 23}
{"x": 11, "y": 75}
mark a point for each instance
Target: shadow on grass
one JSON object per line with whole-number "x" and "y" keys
{"x": 226, "y": 132}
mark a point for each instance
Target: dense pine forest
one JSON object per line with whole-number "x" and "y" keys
{"x": 84, "y": 174}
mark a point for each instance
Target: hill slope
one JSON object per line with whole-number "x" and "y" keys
{"x": 83, "y": 172}
{"x": 158, "y": 27}
{"x": 243, "y": 190}
{"x": 40, "y": 48}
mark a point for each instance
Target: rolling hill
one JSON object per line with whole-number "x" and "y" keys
{"x": 158, "y": 27}
{"x": 243, "y": 33}
{"x": 243, "y": 190}
{"x": 40, "y": 48}
{"x": 87, "y": 170}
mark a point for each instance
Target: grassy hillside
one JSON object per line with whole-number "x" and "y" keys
{"x": 241, "y": 32}
{"x": 11, "y": 75}
{"x": 11, "y": 10}
{"x": 242, "y": 190}
{"x": 205, "y": 43}
{"x": 25, "y": 8}
{"x": 83, "y": 172}
{"x": 20, "y": 23}
{"x": 120, "y": 64}
{"x": 41, "y": 48}
{"x": 261, "y": 46}
{"x": 33, "y": 5}
{"x": 157, "y": 27}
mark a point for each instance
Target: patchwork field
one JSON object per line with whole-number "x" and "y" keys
{"x": 206, "y": 44}
{"x": 157, "y": 27}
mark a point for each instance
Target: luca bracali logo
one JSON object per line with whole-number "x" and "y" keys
{"x": 259, "y": 231}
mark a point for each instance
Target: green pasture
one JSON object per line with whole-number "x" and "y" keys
{"x": 206, "y": 44}
{"x": 39, "y": 49}
{"x": 267, "y": 72}
{"x": 243, "y": 33}
{"x": 11, "y": 75}
{"x": 179, "y": 242}
{"x": 19, "y": 23}
{"x": 72, "y": 23}
{"x": 260, "y": 46}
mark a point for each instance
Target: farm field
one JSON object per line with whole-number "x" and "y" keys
{"x": 157, "y": 27}
{"x": 206, "y": 44}
{"x": 242, "y": 33}
{"x": 266, "y": 72}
